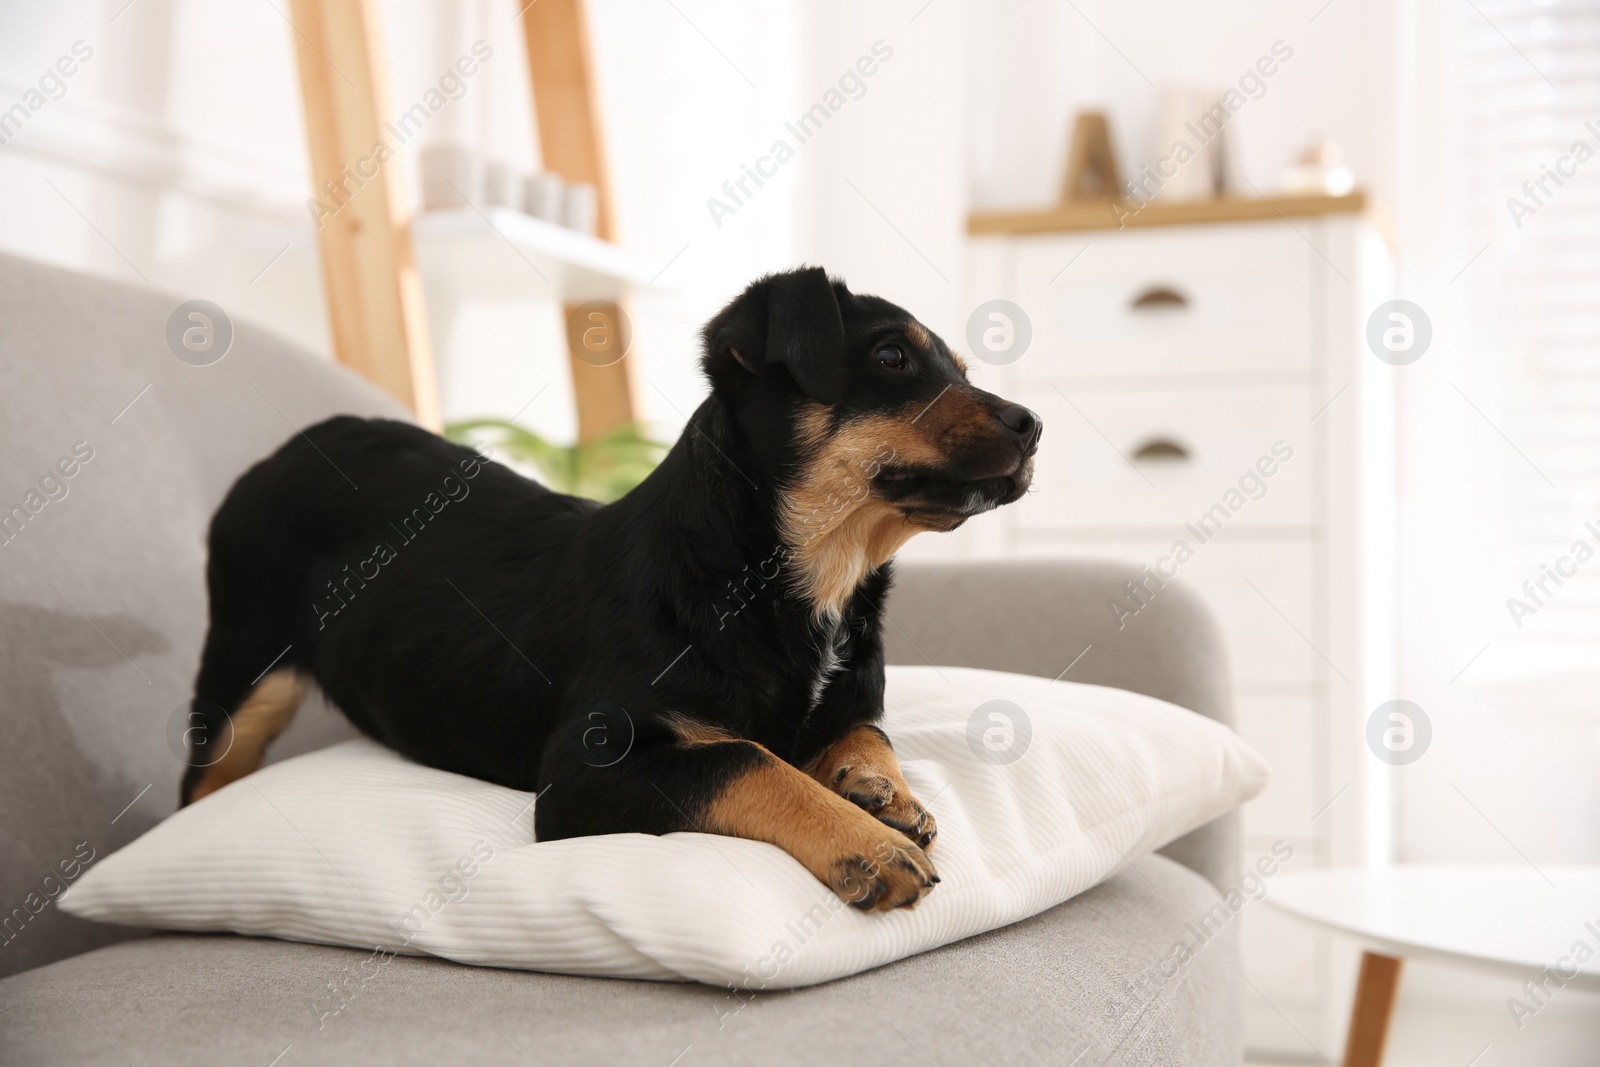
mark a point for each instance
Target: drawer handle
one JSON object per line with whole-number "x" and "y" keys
{"x": 1158, "y": 298}
{"x": 1161, "y": 450}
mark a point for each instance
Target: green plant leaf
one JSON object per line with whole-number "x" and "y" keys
{"x": 603, "y": 469}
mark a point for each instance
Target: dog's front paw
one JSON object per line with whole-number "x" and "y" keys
{"x": 878, "y": 796}
{"x": 890, "y": 873}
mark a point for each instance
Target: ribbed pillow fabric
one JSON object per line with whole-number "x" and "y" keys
{"x": 1041, "y": 790}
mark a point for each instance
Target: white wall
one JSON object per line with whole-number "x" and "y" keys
{"x": 1036, "y": 63}
{"x": 173, "y": 159}
{"x": 692, "y": 96}
{"x": 180, "y": 159}
{"x": 181, "y": 142}
{"x": 884, "y": 201}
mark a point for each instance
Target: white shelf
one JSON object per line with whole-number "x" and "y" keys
{"x": 505, "y": 255}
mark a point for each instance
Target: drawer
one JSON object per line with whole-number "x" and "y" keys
{"x": 1261, "y": 645}
{"x": 1280, "y": 728}
{"x": 1104, "y": 458}
{"x": 1208, "y": 299}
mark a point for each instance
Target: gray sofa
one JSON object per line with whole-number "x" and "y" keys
{"x": 102, "y": 611}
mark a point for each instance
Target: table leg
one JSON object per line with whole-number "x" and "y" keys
{"x": 1372, "y": 1010}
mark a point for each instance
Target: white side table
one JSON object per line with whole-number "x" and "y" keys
{"x": 1511, "y": 919}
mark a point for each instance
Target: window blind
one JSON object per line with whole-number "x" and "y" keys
{"x": 1532, "y": 141}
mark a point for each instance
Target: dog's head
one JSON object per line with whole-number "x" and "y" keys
{"x": 865, "y": 419}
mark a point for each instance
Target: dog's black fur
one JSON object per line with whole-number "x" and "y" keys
{"x": 475, "y": 621}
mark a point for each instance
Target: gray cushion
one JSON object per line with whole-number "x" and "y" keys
{"x": 86, "y": 728}
{"x": 1085, "y": 979}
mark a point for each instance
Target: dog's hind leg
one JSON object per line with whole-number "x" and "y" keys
{"x": 253, "y": 670}
{"x": 225, "y": 747}
{"x": 251, "y": 679}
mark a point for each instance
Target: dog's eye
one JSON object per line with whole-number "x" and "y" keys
{"x": 891, "y": 356}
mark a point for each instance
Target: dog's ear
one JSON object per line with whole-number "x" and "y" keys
{"x": 789, "y": 320}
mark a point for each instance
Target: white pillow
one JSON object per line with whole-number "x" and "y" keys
{"x": 1037, "y": 799}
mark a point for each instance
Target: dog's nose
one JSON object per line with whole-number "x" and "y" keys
{"x": 1023, "y": 422}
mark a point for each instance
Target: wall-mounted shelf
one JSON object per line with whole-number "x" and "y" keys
{"x": 1115, "y": 215}
{"x": 506, "y": 255}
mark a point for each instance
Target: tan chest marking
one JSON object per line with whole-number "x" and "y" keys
{"x": 836, "y": 531}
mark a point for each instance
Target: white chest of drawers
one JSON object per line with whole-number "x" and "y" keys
{"x": 1209, "y": 386}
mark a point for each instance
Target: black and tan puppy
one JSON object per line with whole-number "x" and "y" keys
{"x": 704, "y": 654}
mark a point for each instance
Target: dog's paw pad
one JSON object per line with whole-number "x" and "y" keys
{"x": 912, "y": 819}
{"x": 892, "y": 875}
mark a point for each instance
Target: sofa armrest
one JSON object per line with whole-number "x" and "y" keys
{"x": 1038, "y": 617}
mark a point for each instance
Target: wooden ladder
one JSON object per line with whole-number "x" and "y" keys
{"x": 376, "y": 310}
